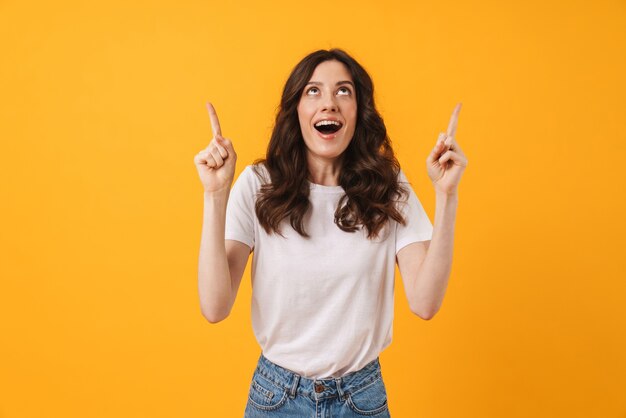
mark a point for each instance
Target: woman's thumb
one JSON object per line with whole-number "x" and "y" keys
{"x": 225, "y": 142}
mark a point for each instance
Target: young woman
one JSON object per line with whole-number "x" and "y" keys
{"x": 327, "y": 214}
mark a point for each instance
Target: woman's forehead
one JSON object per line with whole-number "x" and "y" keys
{"x": 330, "y": 70}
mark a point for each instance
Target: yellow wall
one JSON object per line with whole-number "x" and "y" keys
{"x": 102, "y": 109}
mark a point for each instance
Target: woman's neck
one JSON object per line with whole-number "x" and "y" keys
{"x": 324, "y": 171}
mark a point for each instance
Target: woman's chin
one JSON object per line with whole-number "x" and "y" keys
{"x": 325, "y": 148}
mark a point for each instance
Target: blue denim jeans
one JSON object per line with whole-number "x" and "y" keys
{"x": 281, "y": 393}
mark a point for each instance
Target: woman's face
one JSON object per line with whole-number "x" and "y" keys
{"x": 329, "y": 96}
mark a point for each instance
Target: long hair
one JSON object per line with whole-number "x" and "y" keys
{"x": 369, "y": 168}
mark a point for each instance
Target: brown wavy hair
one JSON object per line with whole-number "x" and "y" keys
{"x": 369, "y": 168}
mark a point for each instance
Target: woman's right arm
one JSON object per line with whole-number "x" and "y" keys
{"x": 221, "y": 262}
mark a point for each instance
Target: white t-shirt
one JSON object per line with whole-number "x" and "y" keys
{"x": 323, "y": 306}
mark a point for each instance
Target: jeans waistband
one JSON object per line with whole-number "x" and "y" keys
{"x": 294, "y": 384}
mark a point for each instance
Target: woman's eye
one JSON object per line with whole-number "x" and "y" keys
{"x": 347, "y": 90}
{"x": 312, "y": 88}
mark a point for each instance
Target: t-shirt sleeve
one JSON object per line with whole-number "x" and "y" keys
{"x": 418, "y": 226}
{"x": 240, "y": 212}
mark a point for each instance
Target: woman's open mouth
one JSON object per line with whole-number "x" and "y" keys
{"x": 327, "y": 128}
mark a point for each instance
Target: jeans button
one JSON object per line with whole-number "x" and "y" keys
{"x": 319, "y": 388}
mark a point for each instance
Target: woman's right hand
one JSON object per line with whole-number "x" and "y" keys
{"x": 216, "y": 163}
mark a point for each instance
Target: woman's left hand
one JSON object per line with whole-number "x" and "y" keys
{"x": 447, "y": 161}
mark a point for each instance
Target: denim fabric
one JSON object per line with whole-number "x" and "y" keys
{"x": 281, "y": 393}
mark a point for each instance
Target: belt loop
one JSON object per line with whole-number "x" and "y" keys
{"x": 294, "y": 386}
{"x": 339, "y": 390}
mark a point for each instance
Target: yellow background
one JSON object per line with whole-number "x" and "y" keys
{"x": 103, "y": 108}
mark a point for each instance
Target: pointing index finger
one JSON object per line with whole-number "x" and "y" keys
{"x": 454, "y": 119}
{"x": 215, "y": 123}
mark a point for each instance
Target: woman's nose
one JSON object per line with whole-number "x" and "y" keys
{"x": 329, "y": 104}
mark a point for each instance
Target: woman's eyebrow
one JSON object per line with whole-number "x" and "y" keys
{"x": 338, "y": 83}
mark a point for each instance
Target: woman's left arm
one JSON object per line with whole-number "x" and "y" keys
{"x": 425, "y": 266}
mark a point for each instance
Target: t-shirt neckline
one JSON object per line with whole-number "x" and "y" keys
{"x": 325, "y": 189}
